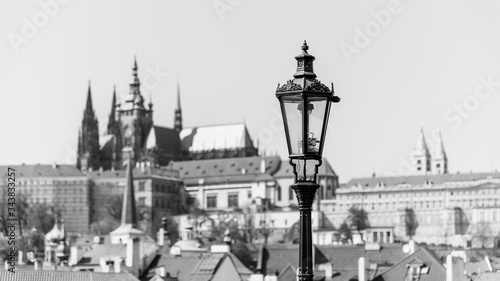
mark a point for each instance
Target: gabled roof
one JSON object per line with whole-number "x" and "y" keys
{"x": 198, "y": 267}
{"x": 230, "y": 136}
{"x": 93, "y": 257}
{"x": 162, "y": 138}
{"x": 421, "y": 179}
{"x": 275, "y": 258}
{"x": 41, "y": 275}
{"x": 397, "y": 272}
{"x": 44, "y": 170}
{"x": 227, "y": 169}
{"x": 345, "y": 257}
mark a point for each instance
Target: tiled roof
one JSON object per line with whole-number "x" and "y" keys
{"x": 277, "y": 257}
{"x": 138, "y": 173}
{"x": 165, "y": 139}
{"x": 397, "y": 272}
{"x": 180, "y": 266}
{"x": 286, "y": 170}
{"x": 208, "y": 264}
{"x": 345, "y": 275}
{"x": 215, "y": 137}
{"x": 41, "y": 275}
{"x": 420, "y": 179}
{"x": 488, "y": 276}
{"x": 94, "y": 256}
{"x": 44, "y": 170}
{"x": 227, "y": 169}
{"x": 195, "y": 267}
{"x": 346, "y": 257}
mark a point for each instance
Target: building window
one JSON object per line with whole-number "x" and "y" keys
{"x": 141, "y": 186}
{"x": 279, "y": 193}
{"x": 290, "y": 194}
{"x": 211, "y": 201}
{"x": 142, "y": 201}
{"x": 249, "y": 194}
{"x": 232, "y": 200}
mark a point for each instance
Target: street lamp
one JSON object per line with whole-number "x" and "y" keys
{"x": 305, "y": 106}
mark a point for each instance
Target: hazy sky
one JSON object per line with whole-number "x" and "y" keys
{"x": 397, "y": 65}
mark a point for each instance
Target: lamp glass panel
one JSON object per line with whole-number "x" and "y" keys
{"x": 293, "y": 114}
{"x": 317, "y": 110}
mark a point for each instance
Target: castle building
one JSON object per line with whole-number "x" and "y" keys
{"x": 61, "y": 186}
{"x": 131, "y": 124}
{"x": 431, "y": 206}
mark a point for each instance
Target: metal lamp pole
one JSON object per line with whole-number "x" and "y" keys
{"x": 305, "y": 107}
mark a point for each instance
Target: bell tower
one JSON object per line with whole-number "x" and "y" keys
{"x": 134, "y": 118}
{"x": 421, "y": 155}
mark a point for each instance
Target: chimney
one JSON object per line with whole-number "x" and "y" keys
{"x": 20, "y": 257}
{"x": 449, "y": 268}
{"x": 262, "y": 166}
{"x": 104, "y": 266}
{"x": 412, "y": 246}
{"x": 454, "y": 269}
{"x": 76, "y": 254}
{"x": 118, "y": 262}
{"x": 362, "y": 269}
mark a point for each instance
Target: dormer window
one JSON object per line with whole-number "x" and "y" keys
{"x": 415, "y": 270}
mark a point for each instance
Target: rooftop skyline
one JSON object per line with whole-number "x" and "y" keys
{"x": 397, "y": 66}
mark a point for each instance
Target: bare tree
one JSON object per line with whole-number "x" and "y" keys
{"x": 482, "y": 232}
{"x": 358, "y": 219}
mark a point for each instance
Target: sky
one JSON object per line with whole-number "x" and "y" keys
{"x": 398, "y": 66}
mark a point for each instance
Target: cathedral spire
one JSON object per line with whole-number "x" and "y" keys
{"x": 88, "y": 108}
{"x": 111, "y": 118}
{"x": 439, "y": 159}
{"x": 178, "y": 111}
{"x": 129, "y": 215}
{"x": 88, "y": 156}
{"x": 135, "y": 78}
{"x": 421, "y": 155}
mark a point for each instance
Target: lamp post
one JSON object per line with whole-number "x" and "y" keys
{"x": 305, "y": 107}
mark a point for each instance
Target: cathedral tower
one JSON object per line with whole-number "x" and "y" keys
{"x": 439, "y": 159}
{"x": 178, "y": 111}
{"x": 88, "y": 156}
{"x": 421, "y": 155}
{"x": 134, "y": 119}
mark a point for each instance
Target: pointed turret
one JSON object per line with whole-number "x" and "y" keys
{"x": 421, "y": 155}
{"x": 178, "y": 111}
{"x": 89, "y": 108}
{"x": 88, "y": 156}
{"x": 439, "y": 159}
{"x": 112, "y": 114}
{"x": 129, "y": 215}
